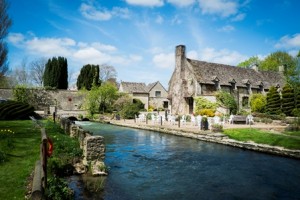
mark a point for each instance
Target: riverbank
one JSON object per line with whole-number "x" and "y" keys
{"x": 194, "y": 132}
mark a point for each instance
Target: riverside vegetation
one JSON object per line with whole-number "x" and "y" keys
{"x": 20, "y": 152}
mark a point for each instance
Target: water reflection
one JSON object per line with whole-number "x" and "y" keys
{"x": 151, "y": 165}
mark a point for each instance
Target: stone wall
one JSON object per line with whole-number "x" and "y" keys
{"x": 93, "y": 146}
{"x": 63, "y": 99}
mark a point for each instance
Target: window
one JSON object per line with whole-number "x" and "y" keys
{"x": 245, "y": 102}
{"x": 157, "y": 93}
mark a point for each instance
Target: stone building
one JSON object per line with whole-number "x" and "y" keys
{"x": 193, "y": 78}
{"x": 153, "y": 94}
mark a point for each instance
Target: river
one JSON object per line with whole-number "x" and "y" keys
{"x": 151, "y": 165}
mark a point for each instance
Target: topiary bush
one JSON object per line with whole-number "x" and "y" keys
{"x": 273, "y": 102}
{"x": 288, "y": 100}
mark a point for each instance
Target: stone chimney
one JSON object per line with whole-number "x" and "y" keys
{"x": 254, "y": 67}
{"x": 180, "y": 60}
{"x": 281, "y": 69}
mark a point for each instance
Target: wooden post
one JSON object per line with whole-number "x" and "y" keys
{"x": 146, "y": 119}
{"x": 37, "y": 190}
{"x": 178, "y": 121}
{"x": 44, "y": 149}
{"x": 161, "y": 120}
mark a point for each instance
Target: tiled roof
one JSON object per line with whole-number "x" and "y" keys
{"x": 207, "y": 73}
{"x": 133, "y": 87}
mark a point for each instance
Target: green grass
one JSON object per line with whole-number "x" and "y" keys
{"x": 26, "y": 139}
{"x": 21, "y": 158}
{"x": 292, "y": 133}
{"x": 263, "y": 137}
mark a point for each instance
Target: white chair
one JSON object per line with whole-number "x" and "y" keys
{"x": 230, "y": 121}
{"x": 193, "y": 120}
{"x": 199, "y": 119}
{"x": 172, "y": 119}
{"x": 249, "y": 119}
{"x": 183, "y": 120}
{"x": 153, "y": 118}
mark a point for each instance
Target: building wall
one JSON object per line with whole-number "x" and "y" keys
{"x": 158, "y": 102}
{"x": 144, "y": 97}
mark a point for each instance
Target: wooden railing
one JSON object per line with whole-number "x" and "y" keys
{"x": 40, "y": 172}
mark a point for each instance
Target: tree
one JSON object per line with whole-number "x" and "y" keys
{"x": 5, "y": 23}
{"x": 89, "y": 75}
{"x": 107, "y": 72}
{"x": 273, "y": 101}
{"x": 56, "y": 73}
{"x": 254, "y": 60}
{"x": 100, "y": 98}
{"x": 276, "y": 59}
{"x": 258, "y": 103}
{"x": 37, "y": 68}
{"x": 20, "y": 75}
{"x": 288, "y": 100}
{"x": 227, "y": 100}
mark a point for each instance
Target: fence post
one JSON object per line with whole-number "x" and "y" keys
{"x": 44, "y": 157}
{"x": 161, "y": 120}
{"x": 178, "y": 121}
{"x": 37, "y": 191}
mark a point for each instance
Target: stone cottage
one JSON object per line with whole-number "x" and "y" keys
{"x": 193, "y": 78}
{"x": 153, "y": 94}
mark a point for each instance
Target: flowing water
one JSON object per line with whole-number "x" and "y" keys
{"x": 151, "y": 165}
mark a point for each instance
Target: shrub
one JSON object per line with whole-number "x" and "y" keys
{"x": 258, "y": 103}
{"x": 227, "y": 100}
{"x": 266, "y": 120}
{"x": 130, "y": 111}
{"x": 288, "y": 102}
{"x": 203, "y": 103}
{"x": 58, "y": 189}
{"x": 217, "y": 128}
{"x": 273, "y": 102}
{"x": 207, "y": 112}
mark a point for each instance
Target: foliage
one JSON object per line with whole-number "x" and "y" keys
{"x": 227, "y": 100}
{"x": 263, "y": 137}
{"x": 254, "y": 60}
{"x": 100, "y": 98}
{"x": 276, "y": 59}
{"x": 139, "y": 103}
{"x": 288, "y": 100}
{"x": 206, "y": 112}
{"x": 22, "y": 94}
{"x": 203, "y": 103}
{"x": 273, "y": 101}
{"x": 258, "y": 103}
{"x": 130, "y": 111}
{"x": 217, "y": 128}
{"x": 56, "y": 73}
{"x": 5, "y": 23}
{"x": 121, "y": 102}
{"x": 58, "y": 189}
{"x": 11, "y": 110}
{"x": 89, "y": 76}
{"x": 7, "y": 144}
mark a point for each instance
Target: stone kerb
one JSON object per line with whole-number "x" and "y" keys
{"x": 94, "y": 148}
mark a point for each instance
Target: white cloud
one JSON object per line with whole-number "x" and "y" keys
{"x": 150, "y": 3}
{"x": 223, "y": 8}
{"x": 239, "y": 17}
{"x": 103, "y": 47}
{"x": 288, "y": 42}
{"x": 97, "y": 13}
{"x": 15, "y": 38}
{"x": 164, "y": 60}
{"x": 192, "y": 55}
{"x": 93, "y": 13}
{"x": 223, "y": 56}
{"x": 226, "y": 29}
{"x": 181, "y": 3}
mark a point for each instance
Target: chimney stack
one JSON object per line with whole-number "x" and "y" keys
{"x": 180, "y": 59}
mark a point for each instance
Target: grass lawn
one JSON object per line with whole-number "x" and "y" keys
{"x": 14, "y": 172}
{"x": 25, "y": 151}
{"x": 263, "y": 137}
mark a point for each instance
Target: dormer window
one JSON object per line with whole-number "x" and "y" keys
{"x": 157, "y": 93}
{"x": 261, "y": 87}
{"x": 233, "y": 84}
{"x": 217, "y": 82}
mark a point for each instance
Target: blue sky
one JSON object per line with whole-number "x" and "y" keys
{"x": 138, "y": 37}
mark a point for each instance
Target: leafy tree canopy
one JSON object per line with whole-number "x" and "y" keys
{"x": 254, "y": 60}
